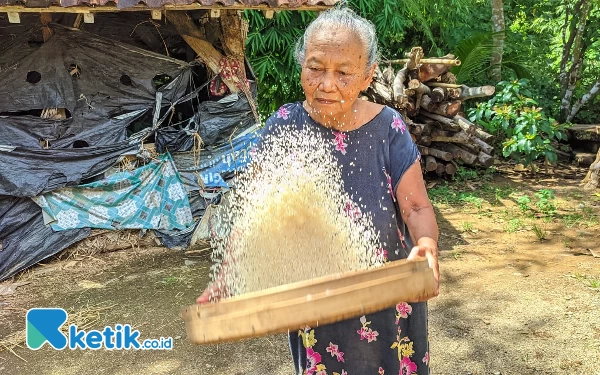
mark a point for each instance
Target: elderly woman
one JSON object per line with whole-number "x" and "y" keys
{"x": 381, "y": 169}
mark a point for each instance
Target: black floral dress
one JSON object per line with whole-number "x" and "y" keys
{"x": 394, "y": 341}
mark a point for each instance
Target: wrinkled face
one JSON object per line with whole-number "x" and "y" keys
{"x": 334, "y": 72}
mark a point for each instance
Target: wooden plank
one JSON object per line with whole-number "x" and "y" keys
{"x": 304, "y": 288}
{"x": 325, "y": 307}
{"x": 14, "y": 17}
{"x": 88, "y": 18}
{"x": 141, "y": 7}
{"x": 195, "y": 39}
{"x": 156, "y": 15}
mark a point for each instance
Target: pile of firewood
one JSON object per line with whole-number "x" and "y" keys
{"x": 430, "y": 100}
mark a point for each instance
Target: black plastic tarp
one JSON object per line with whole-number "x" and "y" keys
{"x": 94, "y": 78}
{"x": 28, "y": 172}
{"x": 218, "y": 120}
{"x": 25, "y": 240}
{"x": 28, "y": 131}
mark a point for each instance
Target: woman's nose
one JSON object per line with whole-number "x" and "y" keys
{"x": 327, "y": 83}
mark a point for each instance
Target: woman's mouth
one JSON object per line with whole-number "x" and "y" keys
{"x": 325, "y": 101}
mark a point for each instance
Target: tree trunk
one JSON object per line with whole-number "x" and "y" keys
{"x": 498, "y": 39}
{"x": 569, "y": 80}
{"x": 589, "y": 97}
{"x": 475, "y": 92}
{"x": 592, "y": 180}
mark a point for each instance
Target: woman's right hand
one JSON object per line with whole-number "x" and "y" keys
{"x": 212, "y": 293}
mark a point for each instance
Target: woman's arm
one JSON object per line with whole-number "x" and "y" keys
{"x": 417, "y": 212}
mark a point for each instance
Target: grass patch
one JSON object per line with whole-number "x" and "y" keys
{"x": 467, "y": 226}
{"x": 540, "y": 233}
{"x": 514, "y": 225}
{"x": 590, "y": 281}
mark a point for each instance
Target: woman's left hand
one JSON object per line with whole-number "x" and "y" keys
{"x": 427, "y": 248}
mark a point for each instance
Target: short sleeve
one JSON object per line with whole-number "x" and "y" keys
{"x": 403, "y": 151}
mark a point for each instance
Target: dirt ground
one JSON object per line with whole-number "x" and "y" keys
{"x": 520, "y": 292}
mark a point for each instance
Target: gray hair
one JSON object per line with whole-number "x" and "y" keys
{"x": 347, "y": 19}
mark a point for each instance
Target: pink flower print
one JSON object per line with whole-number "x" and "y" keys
{"x": 283, "y": 113}
{"x": 362, "y": 332}
{"x": 389, "y": 182}
{"x": 352, "y": 211}
{"x": 404, "y": 309}
{"x": 381, "y": 371}
{"x": 340, "y": 357}
{"x": 332, "y": 349}
{"x": 426, "y": 358}
{"x": 398, "y": 124}
{"x": 340, "y": 145}
{"x": 381, "y": 253}
{"x": 371, "y": 335}
{"x": 312, "y": 359}
{"x": 407, "y": 367}
{"x": 401, "y": 239}
{"x": 344, "y": 372}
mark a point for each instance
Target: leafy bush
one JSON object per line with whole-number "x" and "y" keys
{"x": 525, "y": 131}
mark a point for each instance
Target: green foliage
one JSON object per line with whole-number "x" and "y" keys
{"x": 400, "y": 25}
{"x": 270, "y": 50}
{"x": 546, "y": 203}
{"x": 540, "y": 233}
{"x": 513, "y": 115}
{"x": 523, "y": 203}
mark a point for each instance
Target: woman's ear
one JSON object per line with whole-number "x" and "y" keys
{"x": 369, "y": 76}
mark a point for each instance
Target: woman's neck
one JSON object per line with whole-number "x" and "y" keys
{"x": 344, "y": 123}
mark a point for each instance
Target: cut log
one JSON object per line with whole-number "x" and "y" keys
{"x": 451, "y": 62}
{"x": 446, "y": 123}
{"x": 420, "y": 129}
{"x": 430, "y": 71}
{"x": 437, "y": 94}
{"x": 424, "y": 151}
{"x": 383, "y": 90}
{"x": 430, "y": 164}
{"x": 466, "y": 125}
{"x": 485, "y": 160}
{"x": 444, "y": 155}
{"x": 483, "y": 135}
{"x": 425, "y": 140}
{"x": 452, "y": 93}
{"x": 448, "y": 77}
{"x": 441, "y": 169}
{"x": 476, "y": 92}
{"x": 584, "y": 159}
{"x": 460, "y": 137}
{"x": 414, "y": 84}
{"x": 448, "y": 109}
{"x": 388, "y": 75}
{"x": 450, "y": 169}
{"x": 484, "y": 146}
{"x": 398, "y": 87}
{"x": 459, "y": 153}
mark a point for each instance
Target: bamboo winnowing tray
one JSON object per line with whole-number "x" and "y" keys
{"x": 322, "y": 300}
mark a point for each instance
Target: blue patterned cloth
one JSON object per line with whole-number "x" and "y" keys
{"x": 150, "y": 197}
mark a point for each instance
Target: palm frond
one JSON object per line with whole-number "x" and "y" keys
{"x": 475, "y": 54}
{"x": 520, "y": 70}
